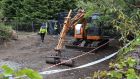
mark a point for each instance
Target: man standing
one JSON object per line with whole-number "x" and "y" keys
{"x": 43, "y": 31}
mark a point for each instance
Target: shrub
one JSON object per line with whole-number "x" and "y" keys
{"x": 8, "y": 73}
{"x": 5, "y": 32}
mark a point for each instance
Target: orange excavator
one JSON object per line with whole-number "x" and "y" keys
{"x": 86, "y": 34}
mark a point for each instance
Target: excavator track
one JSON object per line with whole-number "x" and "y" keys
{"x": 86, "y": 48}
{"x": 82, "y": 57}
{"x": 70, "y": 57}
{"x": 79, "y": 47}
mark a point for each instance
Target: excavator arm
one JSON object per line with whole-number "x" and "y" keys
{"x": 63, "y": 32}
{"x": 69, "y": 23}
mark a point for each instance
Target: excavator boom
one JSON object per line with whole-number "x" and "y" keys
{"x": 68, "y": 23}
{"x": 63, "y": 32}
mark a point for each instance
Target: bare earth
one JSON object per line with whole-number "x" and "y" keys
{"x": 29, "y": 52}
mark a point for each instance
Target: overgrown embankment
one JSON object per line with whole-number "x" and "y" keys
{"x": 127, "y": 65}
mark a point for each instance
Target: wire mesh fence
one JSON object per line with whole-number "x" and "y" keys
{"x": 24, "y": 26}
{"x": 53, "y": 26}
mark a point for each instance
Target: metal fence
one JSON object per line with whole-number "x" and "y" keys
{"x": 34, "y": 27}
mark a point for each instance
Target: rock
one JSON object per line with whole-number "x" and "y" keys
{"x": 14, "y": 35}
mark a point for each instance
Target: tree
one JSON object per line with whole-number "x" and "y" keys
{"x": 121, "y": 14}
{"x": 10, "y": 7}
{"x": 35, "y": 10}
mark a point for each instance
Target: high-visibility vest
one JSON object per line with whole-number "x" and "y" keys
{"x": 43, "y": 30}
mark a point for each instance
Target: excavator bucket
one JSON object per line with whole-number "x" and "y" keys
{"x": 60, "y": 61}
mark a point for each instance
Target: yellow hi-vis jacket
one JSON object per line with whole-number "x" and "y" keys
{"x": 43, "y": 30}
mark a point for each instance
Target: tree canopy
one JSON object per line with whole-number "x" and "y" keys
{"x": 124, "y": 15}
{"x": 35, "y": 10}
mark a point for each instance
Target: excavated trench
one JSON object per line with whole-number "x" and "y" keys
{"x": 29, "y": 52}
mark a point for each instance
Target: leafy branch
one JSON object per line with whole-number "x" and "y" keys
{"x": 9, "y": 72}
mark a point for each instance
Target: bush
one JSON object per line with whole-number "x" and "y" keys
{"x": 124, "y": 69}
{"x": 5, "y": 32}
{"x": 9, "y": 73}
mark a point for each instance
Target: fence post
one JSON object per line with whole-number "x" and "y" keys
{"x": 16, "y": 26}
{"x": 33, "y": 30}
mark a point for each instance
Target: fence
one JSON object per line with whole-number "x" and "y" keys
{"x": 34, "y": 27}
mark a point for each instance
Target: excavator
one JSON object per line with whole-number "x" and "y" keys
{"x": 87, "y": 35}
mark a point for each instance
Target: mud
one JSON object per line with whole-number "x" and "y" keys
{"x": 28, "y": 51}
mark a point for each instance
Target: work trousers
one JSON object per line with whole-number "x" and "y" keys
{"x": 42, "y": 35}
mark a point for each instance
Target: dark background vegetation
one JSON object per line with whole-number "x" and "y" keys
{"x": 24, "y": 14}
{"x": 35, "y": 10}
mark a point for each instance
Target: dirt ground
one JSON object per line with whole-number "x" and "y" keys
{"x": 28, "y": 51}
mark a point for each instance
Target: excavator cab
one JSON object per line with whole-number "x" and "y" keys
{"x": 88, "y": 34}
{"x": 89, "y": 29}
{"x": 79, "y": 31}
{"x": 93, "y": 28}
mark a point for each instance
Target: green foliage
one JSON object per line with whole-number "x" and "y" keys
{"x": 100, "y": 74}
{"x": 121, "y": 70}
{"x": 131, "y": 47}
{"x": 30, "y": 73}
{"x": 35, "y": 10}
{"x": 5, "y": 31}
{"x": 115, "y": 74}
{"x": 116, "y": 14}
{"x": 131, "y": 62}
{"x": 131, "y": 74}
{"x": 7, "y": 72}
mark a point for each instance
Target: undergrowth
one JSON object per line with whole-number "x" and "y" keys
{"x": 5, "y": 31}
{"x": 131, "y": 47}
{"x": 124, "y": 67}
